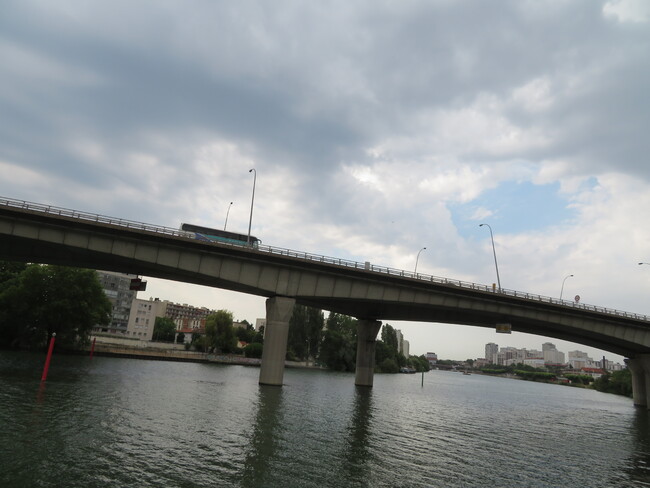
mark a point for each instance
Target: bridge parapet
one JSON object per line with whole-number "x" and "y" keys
{"x": 345, "y": 263}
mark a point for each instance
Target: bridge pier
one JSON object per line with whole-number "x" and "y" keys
{"x": 366, "y": 340}
{"x": 640, "y": 369}
{"x": 276, "y": 333}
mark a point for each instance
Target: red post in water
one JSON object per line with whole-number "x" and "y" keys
{"x": 49, "y": 356}
{"x": 92, "y": 347}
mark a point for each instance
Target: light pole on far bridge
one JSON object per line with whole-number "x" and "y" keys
{"x": 250, "y": 221}
{"x": 416, "y": 260}
{"x": 495, "y": 254}
{"x": 562, "y": 289}
{"x": 226, "y": 223}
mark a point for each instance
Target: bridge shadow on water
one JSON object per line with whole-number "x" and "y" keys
{"x": 265, "y": 439}
{"x": 639, "y": 469}
{"x": 357, "y": 455}
{"x": 267, "y": 446}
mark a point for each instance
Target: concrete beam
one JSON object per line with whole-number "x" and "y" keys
{"x": 366, "y": 340}
{"x": 276, "y": 333}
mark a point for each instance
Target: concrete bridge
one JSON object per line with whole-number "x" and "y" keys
{"x": 38, "y": 233}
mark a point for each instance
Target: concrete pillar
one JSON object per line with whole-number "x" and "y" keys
{"x": 366, "y": 339}
{"x": 276, "y": 332}
{"x": 640, "y": 369}
{"x": 639, "y": 395}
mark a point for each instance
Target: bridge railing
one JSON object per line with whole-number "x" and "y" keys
{"x": 131, "y": 224}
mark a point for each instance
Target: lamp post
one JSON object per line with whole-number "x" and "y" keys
{"x": 495, "y": 254}
{"x": 562, "y": 289}
{"x": 226, "y": 223}
{"x": 250, "y": 221}
{"x": 416, "y": 260}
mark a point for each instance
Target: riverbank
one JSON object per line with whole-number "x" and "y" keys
{"x": 162, "y": 351}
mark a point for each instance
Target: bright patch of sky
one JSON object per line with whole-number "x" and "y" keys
{"x": 513, "y": 207}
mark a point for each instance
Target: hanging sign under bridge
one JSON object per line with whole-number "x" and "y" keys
{"x": 504, "y": 328}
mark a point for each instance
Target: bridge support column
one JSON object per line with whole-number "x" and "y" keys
{"x": 276, "y": 332}
{"x": 640, "y": 369}
{"x": 366, "y": 339}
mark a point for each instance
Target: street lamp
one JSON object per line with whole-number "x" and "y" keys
{"x": 224, "y": 225}
{"x": 562, "y": 289}
{"x": 416, "y": 260}
{"x": 250, "y": 221}
{"x": 644, "y": 263}
{"x": 495, "y": 254}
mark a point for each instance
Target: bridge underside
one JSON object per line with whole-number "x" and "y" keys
{"x": 411, "y": 301}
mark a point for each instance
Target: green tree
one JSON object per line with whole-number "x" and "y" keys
{"x": 164, "y": 329}
{"x": 245, "y": 334}
{"x": 315, "y": 324}
{"x": 199, "y": 343}
{"x": 618, "y": 382}
{"x": 253, "y": 350}
{"x": 338, "y": 350}
{"x": 10, "y": 270}
{"x": 220, "y": 332}
{"x": 389, "y": 337}
{"x": 38, "y": 300}
{"x": 305, "y": 332}
{"x": 259, "y": 336}
{"x": 383, "y": 352}
{"x": 387, "y": 352}
{"x": 419, "y": 363}
{"x": 297, "y": 337}
{"x": 344, "y": 324}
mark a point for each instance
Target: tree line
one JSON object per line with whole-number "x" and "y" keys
{"x": 37, "y": 300}
{"x": 330, "y": 342}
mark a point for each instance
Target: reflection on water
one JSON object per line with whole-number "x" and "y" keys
{"x": 265, "y": 438}
{"x": 357, "y": 455}
{"x": 639, "y": 469}
{"x": 121, "y": 423}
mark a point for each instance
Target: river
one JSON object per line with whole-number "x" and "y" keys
{"x": 108, "y": 422}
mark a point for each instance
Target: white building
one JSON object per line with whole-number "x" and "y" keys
{"x": 534, "y": 362}
{"x": 143, "y": 318}
{"x": 579, "y": 360}
{"x": 551, "y": 354}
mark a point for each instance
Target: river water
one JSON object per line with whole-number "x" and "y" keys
{"x": 107, "y": 422}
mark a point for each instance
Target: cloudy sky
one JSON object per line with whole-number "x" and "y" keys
{"x": 376, "y": 128}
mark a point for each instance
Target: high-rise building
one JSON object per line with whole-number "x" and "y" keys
{"x": 551, "y": 354}
{"x": 402, "y": 344}
{"x": 117, "y": 288}
{"x": 491, "y": 350}
{"x": 406, "y": 348}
